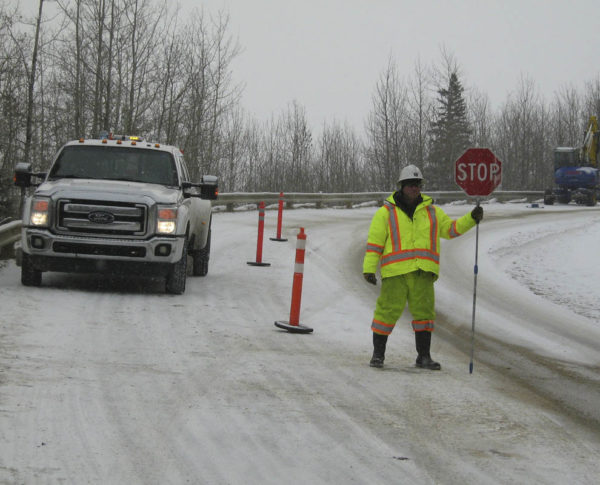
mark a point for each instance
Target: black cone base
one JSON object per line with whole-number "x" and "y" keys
{"x": 293, "y": 328}
{"x": 277, "y": 239}
{"x": 256, "y": 263}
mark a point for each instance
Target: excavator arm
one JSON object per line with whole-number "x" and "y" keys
{"x": 589, "y": 149}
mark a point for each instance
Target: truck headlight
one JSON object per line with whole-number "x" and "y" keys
{"x": 166, "y": 222}
{"x": 39, "y": 212}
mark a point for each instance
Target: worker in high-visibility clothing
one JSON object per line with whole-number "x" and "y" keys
{"x": 404, "y": 241}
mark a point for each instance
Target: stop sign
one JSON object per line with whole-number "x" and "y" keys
{"x": 478, "y": 172}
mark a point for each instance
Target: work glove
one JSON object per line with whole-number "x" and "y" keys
{"x": 371, "y": 278}
{"x": 477, "y": 214}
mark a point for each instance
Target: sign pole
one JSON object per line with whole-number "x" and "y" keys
{"x": 478, "y": 172}
{"x": 475, "y": 271}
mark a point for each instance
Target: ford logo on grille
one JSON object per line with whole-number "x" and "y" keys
{"x": 101, "y": 217}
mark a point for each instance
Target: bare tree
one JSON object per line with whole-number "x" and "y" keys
{"x": 174, "y": 81}
{"x": 338, "y": 164}
{"x": 387, "y": 129}
{"x": 270, "y": 169}
{"x": 13, "y": 88}
{"x": 137, "y": 66}
{"x": 31, "y": 85}
{"x": 99, "y": 15}
{"x": 225, "y": 94}
{"x": 522, "y": 140}
{"x": 212, "y": 93}
{"x": 480, "y": 118}
{"x": 568, "y": 117}
{"x": 420, "y": 113}
{"x": 144, "y": 28}
{"x": 108, "y": 69}
{"x": 253, "y": 171}
{"x": 591, "y": 97}
{"x": 296, "y": 153}
{"x": 447, "y": 67}
{"x": 231, "y": 166}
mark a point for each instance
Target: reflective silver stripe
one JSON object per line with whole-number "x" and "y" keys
{"x": 434, "y": 228}
{"x": 299, "y": 268}
{"x": 385, "y": 329}
{"x": 394, "y": 231}
{"x": 410, "y": 254}
{"x": 453, "y": 231}
{"x": 423, "y": 326}
{"x": 374, "y": 248}
{"x": 301, "y": 244}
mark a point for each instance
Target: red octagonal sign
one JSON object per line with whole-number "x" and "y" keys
{"x": 478, "y": 172}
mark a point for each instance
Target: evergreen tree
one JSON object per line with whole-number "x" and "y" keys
{"x": 451, "y": 134}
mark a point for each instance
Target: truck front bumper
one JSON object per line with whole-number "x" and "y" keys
{"x": 55, "y": 252}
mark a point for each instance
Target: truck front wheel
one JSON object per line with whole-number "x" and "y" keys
{"x": 175, "y": 283}
{"x": 29, "y": 275}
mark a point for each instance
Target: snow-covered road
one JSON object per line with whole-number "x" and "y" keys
{"x": 112, "y": 381}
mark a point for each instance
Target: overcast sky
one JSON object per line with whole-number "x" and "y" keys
{"x": 328, "y": 54}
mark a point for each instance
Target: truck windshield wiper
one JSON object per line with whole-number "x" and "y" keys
{"x": 61, "y": 176}
{"x": 71, "y": 176}
{"x": 124, "y": 179}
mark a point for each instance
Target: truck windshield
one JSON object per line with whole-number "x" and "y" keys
{"x": 115, "y": 163}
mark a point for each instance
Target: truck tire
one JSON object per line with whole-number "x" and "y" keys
{"x": 591, "y": 199}
{"x": 29, "y": 275}
{"x": 175, "y": 283}
{"x": 201, "y": 257}
{"x": 548, "y": 197}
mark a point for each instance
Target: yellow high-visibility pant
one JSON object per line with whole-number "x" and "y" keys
{"x": 416, "y": 288}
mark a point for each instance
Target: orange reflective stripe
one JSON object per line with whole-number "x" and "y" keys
{"x": 382, "y": 328}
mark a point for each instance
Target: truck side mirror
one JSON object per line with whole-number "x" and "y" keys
{"x": 23, "y": 174}
{"x": 209, "y": 188}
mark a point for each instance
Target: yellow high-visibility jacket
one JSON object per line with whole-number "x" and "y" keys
{"x": 402, "y": 245}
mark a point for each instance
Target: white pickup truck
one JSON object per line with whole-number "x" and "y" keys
{"x": 116, "y": 204}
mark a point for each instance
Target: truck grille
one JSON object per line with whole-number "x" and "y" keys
{"x": 99, "y": 249}
{"x": 101, "y": 218}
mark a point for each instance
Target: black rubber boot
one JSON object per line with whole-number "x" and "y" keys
{"x": 379, "y": 342}
{"x": 423, "y": 343}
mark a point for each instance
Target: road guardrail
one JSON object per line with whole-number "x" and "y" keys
{"x": 11, "y": 231}
{"x": 232, "y": 199}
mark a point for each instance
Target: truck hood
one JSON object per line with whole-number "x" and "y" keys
{"x": 109, "y": 190}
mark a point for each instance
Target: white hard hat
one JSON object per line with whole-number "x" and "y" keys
{"x": 410, "y": 172}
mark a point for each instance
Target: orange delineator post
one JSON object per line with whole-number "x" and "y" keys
{"x": 279, "y": 219}
{"x": 294, "y": 323}
{"x": 259, "y": 240}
